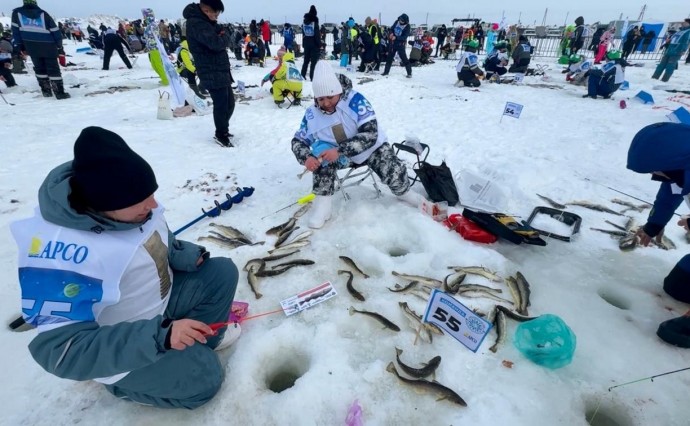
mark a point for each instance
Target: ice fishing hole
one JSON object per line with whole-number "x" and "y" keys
{"x": 284, "y": 375}
{"x": 398, "y": 252}
{"x": 598, "y": 414}
{"x": 617, "y": 300}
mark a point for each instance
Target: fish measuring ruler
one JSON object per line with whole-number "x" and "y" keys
{"x": 457, "y": 320}
{"x": 307, "y": 299}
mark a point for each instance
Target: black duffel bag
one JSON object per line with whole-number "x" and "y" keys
{"x": 438, "y": 182}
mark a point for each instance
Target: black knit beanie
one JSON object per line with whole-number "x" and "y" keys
{"x": 579, "y": 20}
{"x": 216, "y": 5}
{"x": 107, "y": 174}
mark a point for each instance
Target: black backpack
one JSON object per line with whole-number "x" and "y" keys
{"x": 438, "y": 182}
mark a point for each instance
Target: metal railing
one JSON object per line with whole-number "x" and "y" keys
{"x": 546, "y": 47}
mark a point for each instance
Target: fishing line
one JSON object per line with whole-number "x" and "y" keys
{"x": 260, "y": 315}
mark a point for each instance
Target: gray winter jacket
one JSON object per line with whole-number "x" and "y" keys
{"x": 85, "y": 350}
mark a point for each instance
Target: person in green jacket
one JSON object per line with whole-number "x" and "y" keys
{"x": 676, "y": 47}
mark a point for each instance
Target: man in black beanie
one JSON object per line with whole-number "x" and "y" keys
{"x": 114, "y": 296}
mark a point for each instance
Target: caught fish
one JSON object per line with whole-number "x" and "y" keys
{"x": 302, "y": 210}
{"x": 400, "y": 289}
{"x": 230, "y": 232}
{"x": 419, "y": 373}
{"x": 354, "y": 293}
{"x": 553, "y": 203}
{"x": 482, "y": 293}
{"x": 501, "y": 330}
{"x": 479, "y": 287}
{"x": 443, "y": 391}
{"x": 378, "y": 317}
{"x": 224, "y": 242}
{"x": 351, "y": 263}
{"x": 524, "y": 288}
{"x": 291, "y": 246}
{"x": 255, "y": 265}
{"x": 665, "y": 244}
{"x": 296, "y": 262}
{"x": 253, "y": 281}
{"x": 514, "y": 291}
{"x": 303, "y": 236}
{"x": 478, "y": 270}
{"x": 277, "y": 229}
{"x": 514, "y": 315}
{"x": 628, "y": 243}
{"x": 453, "y": 286}
{"x": 595, "y": 207}
{"x": 630, "y": 224}
{"x": 275, "y": 271}
{"x": 280, "y": 255}
{"x": 612, "y": 232}
{"x": 415, "y": 321}
{"x": 619, "y": 227}
{"x": 630, "y": 206}
{"x": 283, "y": 236}
{"x": 424, "y": 280}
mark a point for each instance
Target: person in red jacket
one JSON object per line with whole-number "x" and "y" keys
{"x": 266, "y": 35}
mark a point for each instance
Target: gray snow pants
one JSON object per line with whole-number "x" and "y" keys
{"x": 191, "y": 377}
{"x": 383, "y": 162}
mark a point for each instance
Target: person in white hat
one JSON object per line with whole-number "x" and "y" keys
{"x": 341, "y": 130}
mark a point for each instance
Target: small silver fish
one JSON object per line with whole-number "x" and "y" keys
{"x": 553, "y": 203}
{"x": 452, "y": 286}
{"x": 351, "y": 263}
{"x": 230, "y": 232}
{"x": 628, "y": 243}
{"x": 223, "y": 242}
{"x": 524, "y": 288}
{"x": 378, "y": 317}
{"x": 303, "y": 236}
{"x": 419, "y": 373}
{"x": 478, "y": 270}
{"x": 612, "y": 232}
{"x": 400, "y": 289}
{"x": 255, "y": 265}
{"x": 514, "y": 315}
{"x": 424, "y": 280}
{"x": 291, "y": 246}
{"x": 353, "y": 292}
{"x": 302, "y": 210}
{"x": 277, "y": 229}
{"x": 283, "y": 236}
{"x": 595, "y": 207}
{"x": 280, "y": 255}
{"x": 444, "y": 392}
{"x": 483, "y": 293}
{"x": 501, "y": 330}
{"x": 253, "y": 281}
{"x": 479, "y": 287}
{"x": 514, "y": 291}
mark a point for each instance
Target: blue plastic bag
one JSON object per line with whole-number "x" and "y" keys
{"x": 318, "y": 147}
{"x": 546, "y": 341}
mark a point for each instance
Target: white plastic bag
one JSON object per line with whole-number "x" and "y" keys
{"x": 164, "y": 108}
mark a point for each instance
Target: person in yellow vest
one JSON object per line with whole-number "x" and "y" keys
{"x": 115, "y": 297}
{"x": 284, "y": 77}
{"x": 187, "y": 70}
{"x": 373, "y": 30}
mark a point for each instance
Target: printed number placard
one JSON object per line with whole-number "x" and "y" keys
{"x": 457, "y": 320}
{"x": 512, "y": 110}
{"x": 241, "y": 87}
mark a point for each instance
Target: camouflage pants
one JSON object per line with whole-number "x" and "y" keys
{"x": 383, "y": 162}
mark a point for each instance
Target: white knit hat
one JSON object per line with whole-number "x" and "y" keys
{"x": 325, "y": 83}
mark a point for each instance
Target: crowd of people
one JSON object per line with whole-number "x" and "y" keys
{"x": 148, "y": 339}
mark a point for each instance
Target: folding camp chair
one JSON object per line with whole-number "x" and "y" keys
{"x": 420, "y": 157}
{"x": 354, "y": 176}
{"x": 293, "y": 98}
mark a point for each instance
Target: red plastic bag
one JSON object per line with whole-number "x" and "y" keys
{"x": 469, "y": 230}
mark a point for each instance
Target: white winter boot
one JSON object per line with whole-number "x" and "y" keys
{"x": 320, "y": 211}
{"x": 413, "y": 198}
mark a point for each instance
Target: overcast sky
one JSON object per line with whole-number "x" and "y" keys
{"x": 528, "y": 12}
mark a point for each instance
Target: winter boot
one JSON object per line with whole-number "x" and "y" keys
{"x": 59, "y": 89}
{"x": 232, "y": 333}
{"x": 676, "y": 331}
{"x": 44, "y": 84}
{"x": 320, "y": 211}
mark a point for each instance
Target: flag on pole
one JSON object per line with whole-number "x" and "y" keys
{"x": 512, "y": 110}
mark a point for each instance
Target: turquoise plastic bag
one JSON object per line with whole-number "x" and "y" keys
{"x": 546, "y": 341}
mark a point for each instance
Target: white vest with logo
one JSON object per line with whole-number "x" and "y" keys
{"x": 350, "y": 113}
{"x": 69, "y": 276}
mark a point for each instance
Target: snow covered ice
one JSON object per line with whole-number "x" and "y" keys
{"x": 613, "y": 301}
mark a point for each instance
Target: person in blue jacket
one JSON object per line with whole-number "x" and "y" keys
{"x": 663, "y": 150}
{"x": 605, "y": 81}
{"x": 288, "y": 37}
{"x": 115, "y": 297}
{"x": 677, "y": 46}
{"x": 399, "y": 33}
{"x": 35, "y": 33}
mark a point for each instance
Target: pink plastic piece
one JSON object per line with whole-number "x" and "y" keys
{"x": 238, "y": 311}
{"x": 354, "y": 416}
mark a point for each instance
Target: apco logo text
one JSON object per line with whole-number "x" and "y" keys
{"x": 58, "y": 250}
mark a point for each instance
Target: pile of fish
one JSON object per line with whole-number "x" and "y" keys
{"x": 628, "y": 239}
{"x": 597, "y": 207}
{"x": 284, "y": 246}
{"x": 228, "y": 237}
{"x": 419, "y": 382}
